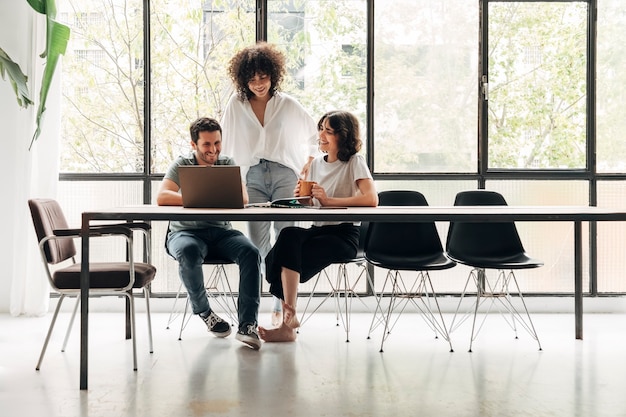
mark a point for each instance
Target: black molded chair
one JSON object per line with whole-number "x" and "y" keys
{"x": 342, "y": 288}
{"x": 485, "y": 246}
{"x": 218, "y": 290}
{"x": 56, "y": 244}
{"x": 408, "y": 247}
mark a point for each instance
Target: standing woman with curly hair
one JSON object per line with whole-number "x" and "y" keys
{"x": 342, "y": 179}
{"x": 268, "y": 133}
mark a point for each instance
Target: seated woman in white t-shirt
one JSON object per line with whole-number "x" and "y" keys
{"x": 342, "y": 179}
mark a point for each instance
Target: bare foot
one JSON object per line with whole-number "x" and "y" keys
{"x": 283, "y": 333}
{"x": 277, "y": 318}
{"x": 289, "y": 316}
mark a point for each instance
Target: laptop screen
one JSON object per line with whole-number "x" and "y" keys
{"x": 217, "y": 186}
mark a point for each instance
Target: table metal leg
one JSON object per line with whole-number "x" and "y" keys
{"x": 578, "y": 279}
{"x": 84, "y": 302}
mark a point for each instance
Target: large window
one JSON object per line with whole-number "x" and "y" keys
{"x": 425, "y": 71}
{"x": 190, "y": 45}
{"x": 536, "y": 85}
{"x": 523, "y": 97}
{"x": 103, "y": 78}
{"x": 611, "y": 87}
{"x": 326, "y": 44}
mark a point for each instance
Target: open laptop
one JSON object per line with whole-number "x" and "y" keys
{"x": 217, "y": 186}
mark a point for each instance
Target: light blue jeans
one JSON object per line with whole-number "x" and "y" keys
{"x": 190, "y": 247}
{"x": 267, "y": 181}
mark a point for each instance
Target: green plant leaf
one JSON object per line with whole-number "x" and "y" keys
{"x": 41, "y": 6}
{"x": 57, "y": 37}
{"x": 18, "y": 80}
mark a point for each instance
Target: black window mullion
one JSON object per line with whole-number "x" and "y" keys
{"x": 147, "y": 142}
{"x": 261, "y": 20}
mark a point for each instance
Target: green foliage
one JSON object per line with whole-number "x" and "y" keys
{"x": 425, "y": 114}
{"x": 327, "y": 54}
{"x": 425, "y": 78}
{"x": 103, "y": 120}
{"x": 18, "y": 80}
{"x": 191, "y": 46}
{"x": 610, "y": 84}
{"x": 57, "y": 36}
{"x": 537, "y": 77}
{"x": 190, "y": 54}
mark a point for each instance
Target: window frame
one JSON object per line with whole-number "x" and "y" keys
{"x": 482, "y": 174}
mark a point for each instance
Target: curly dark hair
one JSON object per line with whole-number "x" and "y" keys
{"x": 262, "y": 58}
{"x": 203, "y": 124}
{"x": 346, "y": 127}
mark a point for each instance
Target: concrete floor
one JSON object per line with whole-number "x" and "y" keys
{"x": 320, "y": 374}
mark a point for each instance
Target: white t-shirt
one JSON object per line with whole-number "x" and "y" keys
{"x": 288, "y": 136}
{"x": 338, "y": 178}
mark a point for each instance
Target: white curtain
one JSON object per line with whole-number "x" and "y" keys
{"x": 26, "y": 173}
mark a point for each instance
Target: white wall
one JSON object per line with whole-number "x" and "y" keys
{"x": 15, "y": 123}
{"x": 25, "y": 173}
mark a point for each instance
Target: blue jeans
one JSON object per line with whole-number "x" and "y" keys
{"x": 190, "y": 247}
{"x": 267, "y": 181}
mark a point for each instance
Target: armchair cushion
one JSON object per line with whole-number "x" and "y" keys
{"x": 105, "y": 275}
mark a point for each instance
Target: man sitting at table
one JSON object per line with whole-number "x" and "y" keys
{"x": 189, "y": 241}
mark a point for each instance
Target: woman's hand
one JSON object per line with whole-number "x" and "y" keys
{"x": 296, "y": 191}
{"x": 366, "y": 197}
{"x": 305, "y": 169}
{"x": 318, "y": 192}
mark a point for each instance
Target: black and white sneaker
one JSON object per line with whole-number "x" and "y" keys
{"x": 247, "y": 334}
{"x": 216, "y": 325}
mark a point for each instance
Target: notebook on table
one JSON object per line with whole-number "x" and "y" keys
{"x": 290, "y": 202}
{"x": 217, "y": 186}
{"x": 293, "y": 202}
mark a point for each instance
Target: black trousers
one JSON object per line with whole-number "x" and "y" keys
{"x": 308, "y": 251}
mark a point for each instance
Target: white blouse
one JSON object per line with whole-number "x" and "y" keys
{"x": 288, "y": 135}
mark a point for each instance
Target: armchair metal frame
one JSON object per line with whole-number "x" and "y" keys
{"x": 58, "y": 254}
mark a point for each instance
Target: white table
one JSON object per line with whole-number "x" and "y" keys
{"x": 575, "y": 214}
